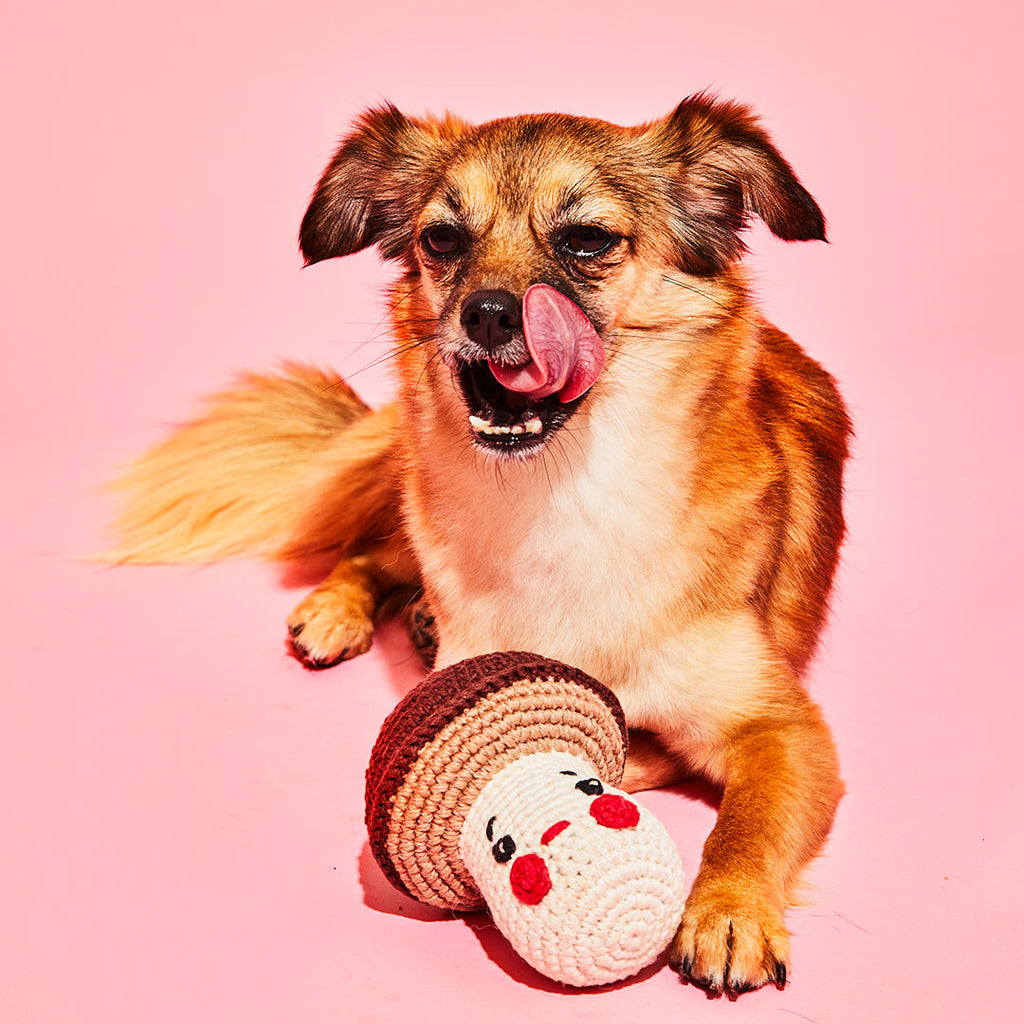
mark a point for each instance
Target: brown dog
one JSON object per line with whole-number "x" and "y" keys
{"x": 601, "y": 453}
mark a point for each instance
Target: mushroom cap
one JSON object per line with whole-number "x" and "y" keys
{"x": 451, "y": 735}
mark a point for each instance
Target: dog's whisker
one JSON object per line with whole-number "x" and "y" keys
{"x": 388, "y": 356}
{"x": 435, "y": 357}
{"x": 729, "y": 308}
{"x": 382, "y": 326}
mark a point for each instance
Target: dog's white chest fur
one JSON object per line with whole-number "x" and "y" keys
{"x": 561, "y": 555}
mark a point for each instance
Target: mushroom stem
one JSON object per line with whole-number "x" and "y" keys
{"x": 584, "y": 882}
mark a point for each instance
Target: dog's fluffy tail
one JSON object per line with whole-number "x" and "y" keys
{"x": 281, "y": 467}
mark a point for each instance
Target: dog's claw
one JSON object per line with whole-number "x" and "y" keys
{"x": 331, "y": 629}
{"x": 310, "y": 661}
{"x": 728, "y": 944}
{"x": 420, "y": 622}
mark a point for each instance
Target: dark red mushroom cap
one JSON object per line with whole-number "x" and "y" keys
{"x": 451, "y": 735}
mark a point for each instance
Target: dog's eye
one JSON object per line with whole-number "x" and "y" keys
{"x": 592, "y": 787}
{"x": 585, "y": 240}
{"x": 442, "y": 240}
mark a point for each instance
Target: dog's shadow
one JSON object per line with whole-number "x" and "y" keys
{"x": 403, "y": 664}
{"x": 306, "y": 573}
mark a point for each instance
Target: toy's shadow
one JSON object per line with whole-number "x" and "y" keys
{"x": 380, "y": 895}
{"x": 499, "y": 951}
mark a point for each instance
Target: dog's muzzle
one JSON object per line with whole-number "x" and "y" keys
{"x": 526, "y": 366}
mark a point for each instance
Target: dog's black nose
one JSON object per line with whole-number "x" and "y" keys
{"x": 490, "y": 318}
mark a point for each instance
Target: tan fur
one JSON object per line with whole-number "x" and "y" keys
{"x": 676, "y": 537}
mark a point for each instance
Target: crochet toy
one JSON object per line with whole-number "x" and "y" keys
{"x": 493, "y": 783}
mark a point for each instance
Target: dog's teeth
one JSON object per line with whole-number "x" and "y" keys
{"x": 482, "y": 426}
{"x": 532, "y": 426}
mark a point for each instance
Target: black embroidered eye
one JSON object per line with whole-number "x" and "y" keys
{"x": 592, "y": 787}
{"x": 586, "y": 240}
{"x": 503, "y": 849}
{"x": 442, "y": 240}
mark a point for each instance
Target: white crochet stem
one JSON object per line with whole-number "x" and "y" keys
{"x": 583, "y": 881}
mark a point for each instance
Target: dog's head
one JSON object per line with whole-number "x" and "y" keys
{"x": 528, "y": 236}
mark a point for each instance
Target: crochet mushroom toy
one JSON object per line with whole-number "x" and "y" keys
{"x": 493, "y": 783}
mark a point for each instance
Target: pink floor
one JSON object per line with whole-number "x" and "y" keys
{"x": 182, "y": 835}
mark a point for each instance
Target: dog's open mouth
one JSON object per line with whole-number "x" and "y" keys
{"x": 515, "y": 409}
{"x": 509, "y": 421}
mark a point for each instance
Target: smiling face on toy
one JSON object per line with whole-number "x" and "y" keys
{"x": 578, "y": 876}
{"x": 529, "y": 876}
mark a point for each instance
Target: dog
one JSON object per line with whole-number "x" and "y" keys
{"x": 600, "y": 452}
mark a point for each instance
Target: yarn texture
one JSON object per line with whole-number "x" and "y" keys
{"x": 592, "y": 902}
{"x": 448, "y": 737}
{"x": 493, "y": 783}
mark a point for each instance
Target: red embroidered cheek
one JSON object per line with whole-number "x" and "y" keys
{"x": 614, "y": 811}
{"x": 530, "y": 879}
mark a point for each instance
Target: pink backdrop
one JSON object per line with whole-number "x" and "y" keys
{"x": 181, "y": 801}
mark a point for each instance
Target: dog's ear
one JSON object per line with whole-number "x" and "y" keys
{"x": 726, "y": 169}
{"x": 369, "y": 191}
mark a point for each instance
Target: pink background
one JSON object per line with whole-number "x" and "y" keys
{"x": 182, "y": 834}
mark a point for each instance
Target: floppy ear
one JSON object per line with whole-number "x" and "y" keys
{"x": 369, "y": 191}
{"x": 728, "y": 169}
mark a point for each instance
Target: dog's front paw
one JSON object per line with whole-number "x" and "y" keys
{"x": 732, "y": 939}
{"x": 329, "y": 626}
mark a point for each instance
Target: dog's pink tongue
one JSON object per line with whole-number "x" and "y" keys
{"x": 566, "y": 353}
